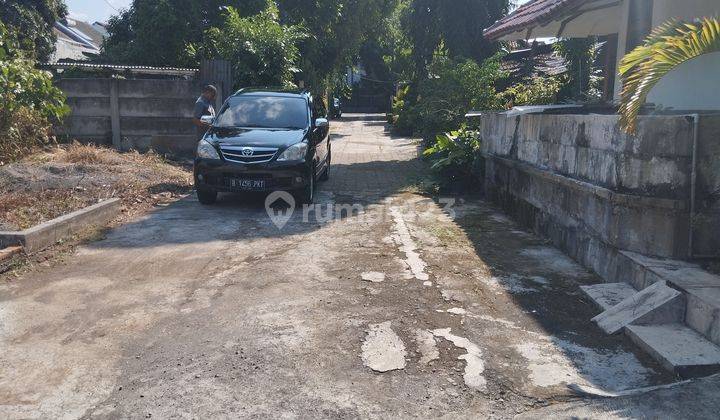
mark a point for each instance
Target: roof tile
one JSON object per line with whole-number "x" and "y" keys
{"x": 533, "y": 12}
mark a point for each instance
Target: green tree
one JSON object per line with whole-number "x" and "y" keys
{"x": 157, "y": 32}
{"x": 580, "y": 55}
{"x": 337, "y": 29}
{"x": 456, "y": 25}
{"x": 33, "y": 22}
{"x": 28, "y": 100}
{"x": 262, "y": 51}
{"x": 456, "y": 87}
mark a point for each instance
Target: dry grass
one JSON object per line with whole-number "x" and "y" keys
{"x": 87, "y": 154}
{"x": 62, "y": 179}
{"x": 24, "y": 210}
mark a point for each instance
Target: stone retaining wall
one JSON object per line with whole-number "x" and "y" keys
{"x": 594, "y": 190}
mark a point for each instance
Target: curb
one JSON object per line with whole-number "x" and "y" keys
{"x": 7, "y": 253}
{"x": 46, "y": 234}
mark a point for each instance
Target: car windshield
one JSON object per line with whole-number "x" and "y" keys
{"x": 264, "y": 112}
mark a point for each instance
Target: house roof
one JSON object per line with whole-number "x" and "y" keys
{"x": 148, "y": 70}
{"x": 553, "y": 18}
{"x": 87, "y": 30}
{"x": 543, "y": 60}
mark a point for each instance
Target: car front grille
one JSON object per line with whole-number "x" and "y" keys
{"x": 248, "y": 155}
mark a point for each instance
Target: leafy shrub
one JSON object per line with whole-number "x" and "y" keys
{"x": 263, "y": 52}
{"x": 453, "y": 88}
{"x": 29, "y": 102}
{"x": 535, "y": 91}
{"x": 456, "y": 159}
{"x": 26, "y": 130}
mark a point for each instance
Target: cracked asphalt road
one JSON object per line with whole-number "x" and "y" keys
{"x": 391, "y": 305}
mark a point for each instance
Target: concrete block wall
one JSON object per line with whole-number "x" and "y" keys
{"x": 131, "y": 114}
{"x": 592, "y": 189}
{"x": 656, "y": 163}
{"x": 707, "y": 223}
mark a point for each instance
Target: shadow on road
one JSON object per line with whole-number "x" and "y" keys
{"x": 542, "y": 283}
{"x": 244, "y": 216}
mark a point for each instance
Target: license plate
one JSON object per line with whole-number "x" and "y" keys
{"x": 247, "y": 184}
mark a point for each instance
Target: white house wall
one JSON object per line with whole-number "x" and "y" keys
{"x": 693, "y": 86}
{"x": 683, "y": 9}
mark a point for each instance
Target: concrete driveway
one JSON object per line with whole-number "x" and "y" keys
{"x": 379, "y": 303}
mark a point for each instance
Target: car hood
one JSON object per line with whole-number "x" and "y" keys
{"x": 255, "y": 137}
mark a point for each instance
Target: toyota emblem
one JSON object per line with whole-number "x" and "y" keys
{"x": 247, "y": 152}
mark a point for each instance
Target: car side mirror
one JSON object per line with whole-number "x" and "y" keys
{"x": 322, "y": 123}
{"x": 207, "y": 119}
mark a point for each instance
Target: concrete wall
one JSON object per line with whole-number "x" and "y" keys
{"x": 707, "y": 222}
{"x": 131, "y": 114}
{"x": 579, "y": 180}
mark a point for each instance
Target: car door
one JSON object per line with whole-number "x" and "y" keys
{"x": 320, "y": 134}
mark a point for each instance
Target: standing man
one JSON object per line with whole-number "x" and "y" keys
{"x": 203, "y": 107}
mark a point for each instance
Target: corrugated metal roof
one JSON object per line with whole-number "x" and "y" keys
{"x": 532, "y": 13}
{"x": 121, "y": 68}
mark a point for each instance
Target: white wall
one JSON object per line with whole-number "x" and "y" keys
{"x": 694, "y": 85}
{"x": 683, "y": 9}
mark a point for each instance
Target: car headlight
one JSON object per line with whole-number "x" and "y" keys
{"x": 293, "y": 153}
{"x": 206, "y": 150}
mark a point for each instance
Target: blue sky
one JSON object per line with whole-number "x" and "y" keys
{"x": 95, "y": 10}
{"x": 101, "y": 10}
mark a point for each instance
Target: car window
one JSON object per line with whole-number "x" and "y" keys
{"x": 264, "y": 112}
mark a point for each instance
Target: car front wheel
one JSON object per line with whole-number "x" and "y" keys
{"x": 307, "y": 194}
{"x": 207, "y": 197}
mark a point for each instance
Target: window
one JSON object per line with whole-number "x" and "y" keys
{"x": 264, "y": 112}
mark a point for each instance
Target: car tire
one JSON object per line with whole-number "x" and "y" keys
{"x": 306, "y": 195}
{"x": 207, "y": 197}
{"x": 326, "y": 173}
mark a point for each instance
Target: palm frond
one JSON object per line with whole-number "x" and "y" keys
{"x": 668, "y": 46}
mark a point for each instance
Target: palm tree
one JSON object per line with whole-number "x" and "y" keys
{"x": 667, "y": 47}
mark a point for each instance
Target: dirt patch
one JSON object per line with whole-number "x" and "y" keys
{"x": 62, "y": 179}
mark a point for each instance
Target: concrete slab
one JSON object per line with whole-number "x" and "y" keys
{"x": 685, "y": 277}
{"x": 678, "y": 348}
{"x": 46, "y": 234}
{"x": 658, "y": 304}
{"x": 608, "y": 295}
{"x": 701, "y": 289}
{"x": 647, "y": 261}
{"x": 703, "y": 312}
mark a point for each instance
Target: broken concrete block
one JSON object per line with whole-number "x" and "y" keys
{"x": 678, "y": 348}
{"x": 658, "y": 304}
{"x": 608, "y": 295}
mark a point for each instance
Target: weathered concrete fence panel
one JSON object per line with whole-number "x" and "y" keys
{"x": 132, "y": 114}
{"x": 595, "y": 190}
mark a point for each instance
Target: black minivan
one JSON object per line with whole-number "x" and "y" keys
{"x": 265, "y": 140}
